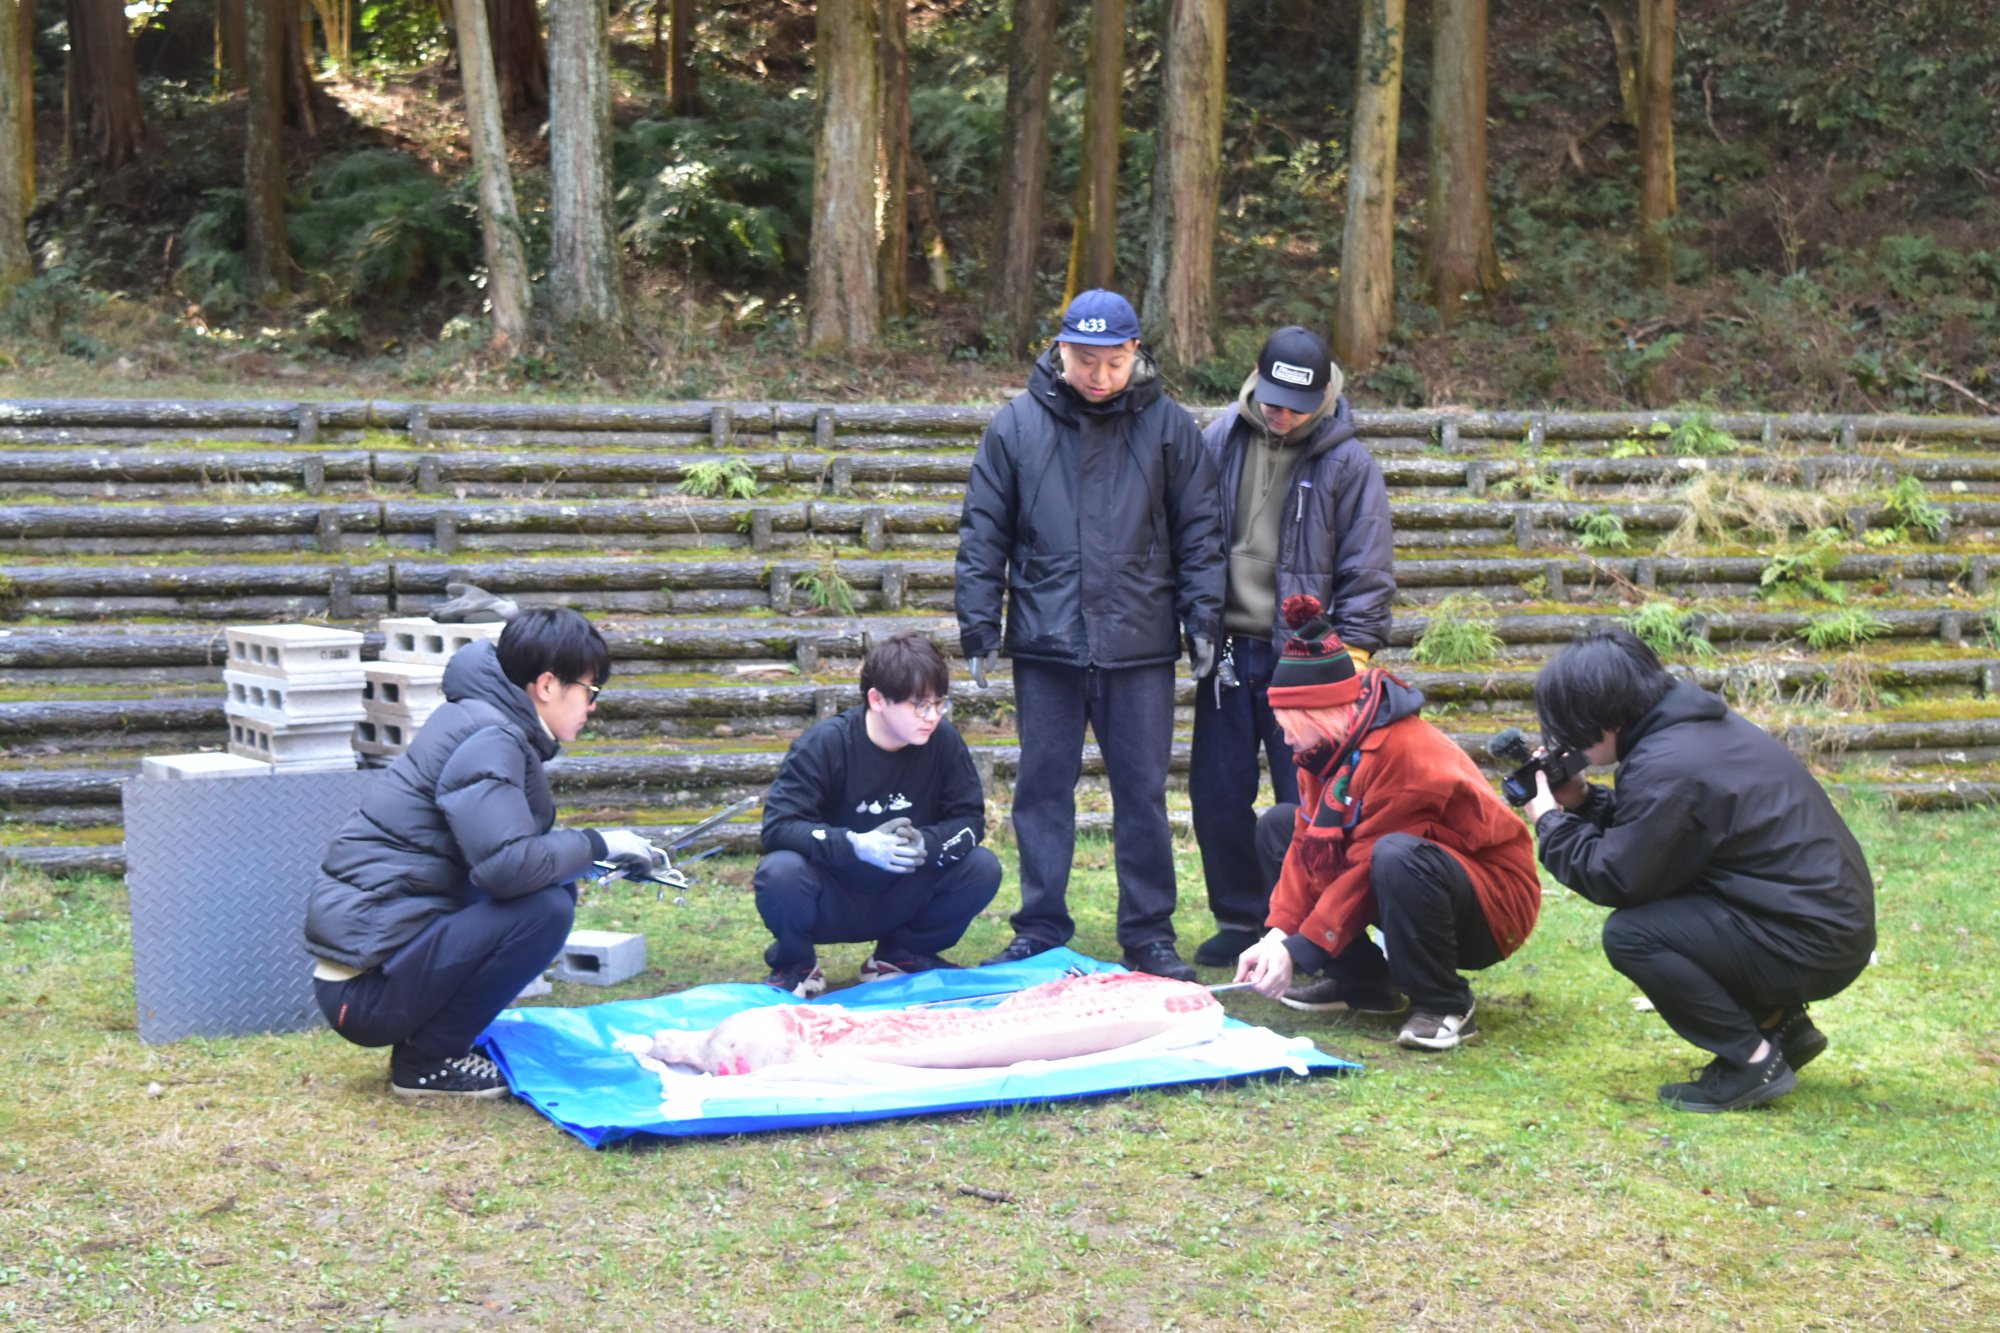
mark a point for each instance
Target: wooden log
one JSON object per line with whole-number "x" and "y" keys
{"x": 145, "y": 412}
{"x": 37, "y": 581}
{"x": 68, "y": 862}
{"x": 686, "y": 416}
{"x": 63, "y": 786}
{"x": 138, "y": 437}
{"x": 889, "y": 418}
{"x": 535, "y": 468}
{"x": 223, "y": 468}
{"x": 86, "y": 522}
{"x": 252, "y": 609}
{"x": 811, "y": 445}
{"x": 669, "y": 516}
{"x": 68, "y": 649}
{"x": 444, "y": 442}
{"x": 833, "y": 517}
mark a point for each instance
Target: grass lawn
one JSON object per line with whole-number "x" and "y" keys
{"x": 1531, "y": 1181}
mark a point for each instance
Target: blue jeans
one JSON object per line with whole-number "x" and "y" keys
{"x": 1231, "y": 735}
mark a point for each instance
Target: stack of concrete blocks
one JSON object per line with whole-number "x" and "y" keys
{"x": 294, "y": 695}
{"x": 406, "y": 686}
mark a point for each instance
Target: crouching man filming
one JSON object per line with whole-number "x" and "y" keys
{"x": 1738, "y": 892}
{"x": 1398, "y": 829}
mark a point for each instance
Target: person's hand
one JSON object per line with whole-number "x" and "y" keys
{"x": 1202, "y": 655}
{"x": 628, "y": 851}
{"x": 976, "y": 664}
{"x": 1266, "y": 965}
{"x": 887, "y": 848}
{"x": 906, "y": 831}
{"x": 1543, "y": 800}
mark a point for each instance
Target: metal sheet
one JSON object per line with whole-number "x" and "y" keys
{"x": 218, "y": 873}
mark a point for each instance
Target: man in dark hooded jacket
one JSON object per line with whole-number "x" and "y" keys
{"x": 1303, "y": 512}
{"x": 1092, "y": 512}
{"x": 1738, "y": 893}
{"x": 451, "y": 889}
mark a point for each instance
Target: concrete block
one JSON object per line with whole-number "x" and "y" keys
{"x": 293, "y": 650}
{"x": 421, "y": 639}
{"x": 601, "y": 957}
{"x": 535, "y": 989}
{"x": 388, "y": 736}
{"x": 406, "y": 689}
{"x": 207, "y": 764}
{"x": 282, "y": 702}
{"x": 322, "y": 746}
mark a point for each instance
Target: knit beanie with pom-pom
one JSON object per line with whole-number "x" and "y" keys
{"x": 1314, "y": 670}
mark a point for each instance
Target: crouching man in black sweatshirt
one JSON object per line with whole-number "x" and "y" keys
{"x": 872, "y": 829}
{"x": 1739, "y": 892}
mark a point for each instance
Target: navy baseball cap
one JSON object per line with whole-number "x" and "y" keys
{"x": 1295, "y": 371}
{"x": 1098, "y": 318}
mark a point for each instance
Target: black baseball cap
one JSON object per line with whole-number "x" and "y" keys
{"x": 1295, "y": 371}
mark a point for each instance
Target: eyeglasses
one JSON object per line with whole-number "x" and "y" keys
{"x": 939, "y": 708}
{"x": 595, "y": 690}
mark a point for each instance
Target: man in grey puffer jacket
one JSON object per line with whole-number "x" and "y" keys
{"x": 451, "y": 889}
{"x": 1304, "y": 511}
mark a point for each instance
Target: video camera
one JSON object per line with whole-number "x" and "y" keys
{"x": 1511, "y": 746}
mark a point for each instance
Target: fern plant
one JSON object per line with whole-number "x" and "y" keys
{"x": 1698, "y": 437}
{"x": 728, "y": 194}
{"x": 1844, "y": 628}
{"x": 376, "y": 226}
{"x": 1805, "y": 570}
{"x": 1602, "y": 531}
{"x": 1913, "y": 509}
{"x": 710, "y": 478}
{"x": 1670, "y": 631}
{"x": 1461, "y": 631}
{"x": 824, "y": 588}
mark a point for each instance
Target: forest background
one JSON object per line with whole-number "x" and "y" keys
{"x": 1757, "y": 204}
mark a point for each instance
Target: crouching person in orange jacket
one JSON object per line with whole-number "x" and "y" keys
{"x": 1397, "y": 828}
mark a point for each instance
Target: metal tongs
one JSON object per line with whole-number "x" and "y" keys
{"x": 669, "y": 874}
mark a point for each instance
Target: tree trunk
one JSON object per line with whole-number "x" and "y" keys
{"x": 936, "y": 255}
{"x": 1657, "y": 202}
{"x": 1024, "y": 168}
{"x": 17, "y": 145}
{"x": 892, "y": 261}
{"x": 230, "y": 75}
{"x": 520, "y": 60}
{"x": 301, "y": 90}
{"x": 499, "y": 224}
{"x": 103, "y": 85}
{"x": 1187, "y": 182}
{"x": 264, "y": 149}
{"x": 1458, "y": 249}
{"x": 1364, "y": 312}
{"x": 1093, "y": 249}
{"x": 683, "y": 93}
{"x": 842, "y": 296}
{"x": 583, "y": 254}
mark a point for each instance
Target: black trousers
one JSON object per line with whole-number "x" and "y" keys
{"x": 1132, "y": 713}
{"x": 925, "y": 911}
{"x": 436, "y": 994}
{"x": 1706, "y": 976}
{"x": 1235, "y": 735}
{"x": 1426, "y": 909}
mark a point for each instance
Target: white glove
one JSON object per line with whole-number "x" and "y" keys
{"x": 896, "y": 846}
{"x": 629, "y": 851}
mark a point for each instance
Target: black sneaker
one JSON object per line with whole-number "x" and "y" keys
{"x": 1160, "y": 959}
{"x": 1798, "y": 1038}
{"x": 1726, "y": 1087}
{"x": 1020, "y": 949}
{"x": 470, "y": 1076}
{"x": 898, "y": 963}
{"x": 1438, "y": 1032}
{"x": 1221, "y": 948}
{"x": 1329, "y": 995}
{"x": 804, "y": 980}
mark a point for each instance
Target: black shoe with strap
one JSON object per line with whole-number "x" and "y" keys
{"x": 472, "y": 1076}
{"x": 1727, "y": 1087}
{"x": 1796, "y": 1035}
{"x": 1160, "y": 959}
{"x": 1022, "y": 948}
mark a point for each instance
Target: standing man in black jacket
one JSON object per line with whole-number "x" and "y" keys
{"x": 451, "y": 887}
{"x": 1093, "y": 511}
{"x": 1738, "y": 893}
{"x": 872, "y": 829}
{"x": 1303, "y": 511}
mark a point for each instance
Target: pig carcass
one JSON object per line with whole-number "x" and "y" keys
{"x": 1072, "y": 1016}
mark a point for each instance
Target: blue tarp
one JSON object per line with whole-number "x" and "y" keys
{"x": 567, "y": 1063}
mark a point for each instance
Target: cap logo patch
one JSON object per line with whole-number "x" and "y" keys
{"x": 1291, "y": 374}
{"x": 1092, "y": 325}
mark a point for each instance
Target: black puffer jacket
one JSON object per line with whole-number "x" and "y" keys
{"x": 1707, "y": 802}
{"x": 1098, "y": 522}
{"x": 467, "y": 803}
{"x": 1336, "y": 544}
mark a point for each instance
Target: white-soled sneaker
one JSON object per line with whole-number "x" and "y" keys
{"x": 1438, "y": 1032}
{"x": 470, "y": 1076}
